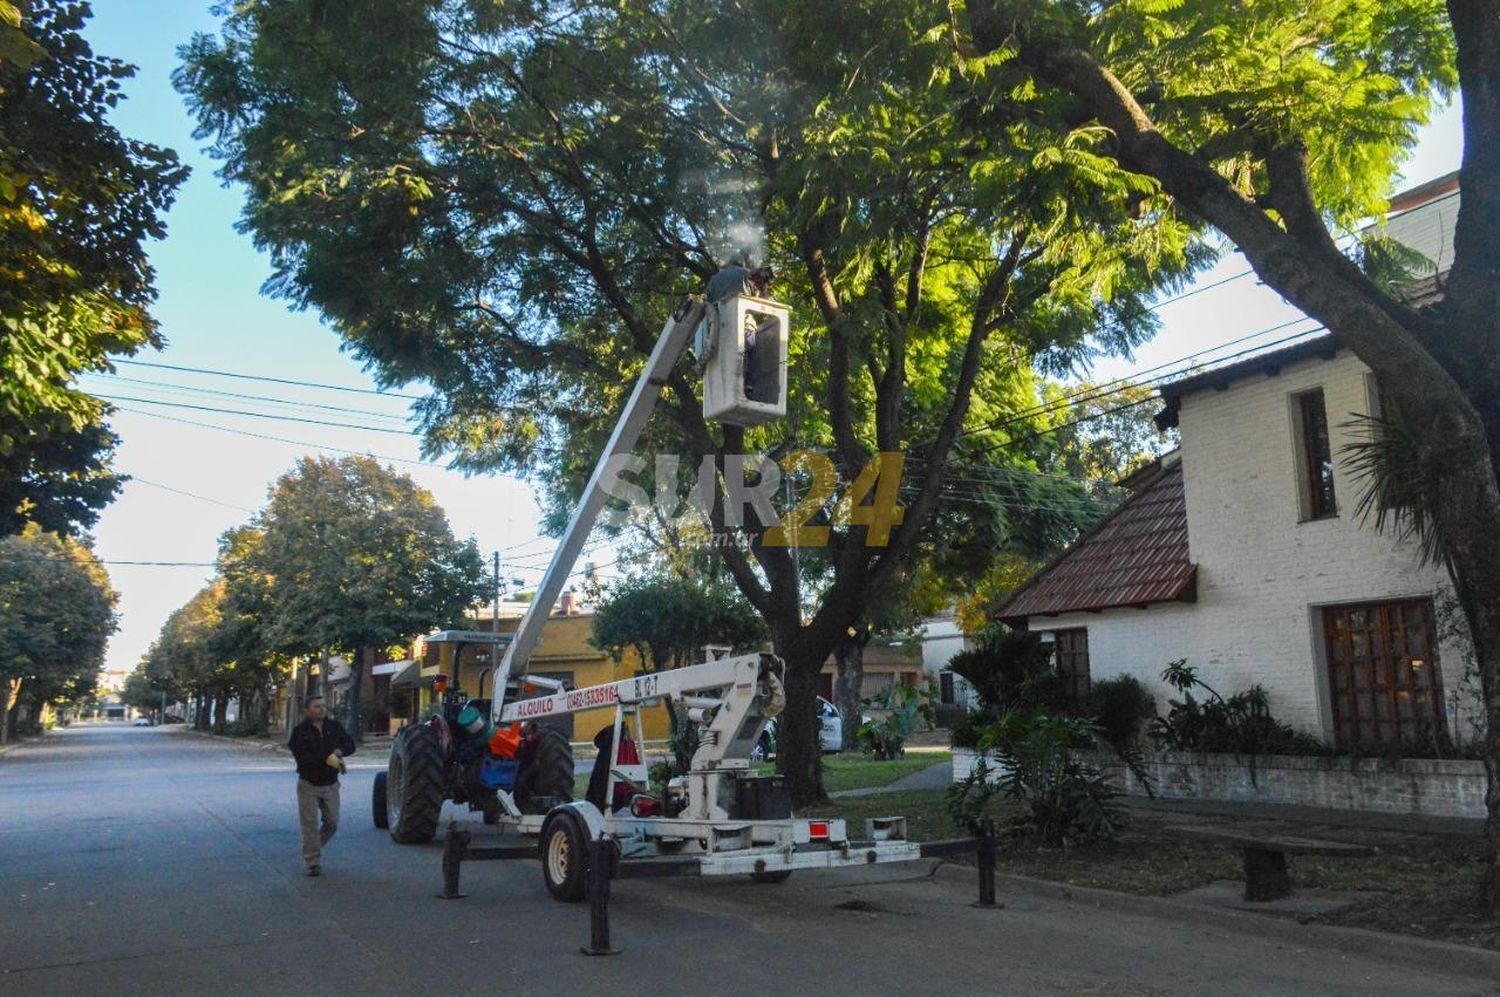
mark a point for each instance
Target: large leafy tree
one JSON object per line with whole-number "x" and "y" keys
{"x": 1282, "y": 125}
{"x": 507, "y": 200}
{"x": 349, "y": 557}
{"x": 57, "y": 611}
{"x": 78, "y": 201}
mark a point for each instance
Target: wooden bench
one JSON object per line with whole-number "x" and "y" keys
{"x": 1265, "y": 857}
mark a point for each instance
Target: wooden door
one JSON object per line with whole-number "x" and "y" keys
{"x": 1384, "y": 682}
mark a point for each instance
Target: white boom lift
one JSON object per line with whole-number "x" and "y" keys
{"x": 719, "y": 813}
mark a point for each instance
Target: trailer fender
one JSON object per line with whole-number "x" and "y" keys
{"x": 586, "y": 812}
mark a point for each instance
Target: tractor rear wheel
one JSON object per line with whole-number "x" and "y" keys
{"x": 414, "y": 786}
{"x": 549, "y": 773}
{"x": 378, "y": 802}
{"x": 564, "y": 848}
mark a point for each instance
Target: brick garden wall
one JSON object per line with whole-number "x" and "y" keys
{"x": 1432, "y": 787}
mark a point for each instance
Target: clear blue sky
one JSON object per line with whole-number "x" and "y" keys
{"x": 213, "y": 316}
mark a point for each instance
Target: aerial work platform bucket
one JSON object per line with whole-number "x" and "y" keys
{"x": 743, "y": 345}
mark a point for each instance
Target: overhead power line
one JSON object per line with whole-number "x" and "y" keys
{"x": 271, "y": 380}
{"x": 256, "y": 415}
{"x": 269, "y": 399}
{"x": 183, "y": 491}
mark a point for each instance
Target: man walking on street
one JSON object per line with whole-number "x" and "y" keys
{"x": 319, "y": 744}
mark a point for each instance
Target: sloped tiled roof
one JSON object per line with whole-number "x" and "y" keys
{"x": 1137, "y": 556}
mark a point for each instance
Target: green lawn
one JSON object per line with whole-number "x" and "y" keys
{"x": 858, "y": 771}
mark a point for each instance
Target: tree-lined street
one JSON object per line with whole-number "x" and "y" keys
{"x": 153, "y": 860}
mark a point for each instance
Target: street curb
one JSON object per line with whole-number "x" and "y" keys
{"x": 1447, "y": 957}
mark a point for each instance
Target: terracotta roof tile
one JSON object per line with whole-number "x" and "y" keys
{"x": 1137, "y": 556}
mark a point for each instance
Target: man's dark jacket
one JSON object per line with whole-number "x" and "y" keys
{"x": 312, "y": 749}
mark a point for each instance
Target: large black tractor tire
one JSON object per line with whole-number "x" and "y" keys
{"x": 414, "y": 786}
{"x": 564, "y": 851}
{"x": 378, "y": 803}
{"x": 550, "y": 771}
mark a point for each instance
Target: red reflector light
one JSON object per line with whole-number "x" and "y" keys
{"x": 817, "y": 829}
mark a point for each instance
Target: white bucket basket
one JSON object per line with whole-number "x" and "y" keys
{"x": 744, "y": 379}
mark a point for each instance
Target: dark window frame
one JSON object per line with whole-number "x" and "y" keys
{"x": 1315, "y": 448}
{"x": 1070, "y": 651}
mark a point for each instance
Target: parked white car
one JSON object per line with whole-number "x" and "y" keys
{"x": 830, "y": 733}
{"x": 141, "y": 722}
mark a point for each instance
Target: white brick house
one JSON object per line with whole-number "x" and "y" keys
{"x": 1274, "y": 580}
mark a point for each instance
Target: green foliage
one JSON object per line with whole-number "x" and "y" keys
{"x": 1395, "y": 496}
{"x": 1354, "y": 80}
{"x": 1121, "y": 706}
{"x": 355, "y": 556}
{"x": 1241, "y": 724}
{"x": 78, "y": 202}
{"x": 667, "y": 620}
{"x": 901, "y": 710}
{"x": 57, "y": 611}
{"x": 1028, "y": 757}
{"x": 1009, "y": 669}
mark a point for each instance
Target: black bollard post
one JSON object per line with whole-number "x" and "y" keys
{"x": 600, "y": 856}
{"x": 455, "y": 845}
{"x": 987, "y": 864}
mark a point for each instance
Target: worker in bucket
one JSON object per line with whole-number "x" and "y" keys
{"x": 733, "y": 280}
{"x": 319, "y": 744}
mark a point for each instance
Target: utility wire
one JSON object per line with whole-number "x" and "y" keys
{"x": 270, "y": 380}
{"x": 257, "y": 415}
{"x": 181, "y": 491}
{"x": 269, "y": 399}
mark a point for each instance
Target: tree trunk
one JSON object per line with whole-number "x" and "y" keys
{"x": 221, "y": 704}
{"x": 12, "y": 697}
{"x": 356, "y": 674}
{"x": 849, "y": 655}
{"x": 798, "y": 755}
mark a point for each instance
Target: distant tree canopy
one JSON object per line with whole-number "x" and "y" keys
{"x": 78, "y": 202}
{"x": 347, "y": 557}
{"x": 667, "y": 620}
{"x": 57, "y": 612}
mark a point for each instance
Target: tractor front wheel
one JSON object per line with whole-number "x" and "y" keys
{"x": 378, "y": 805}
{"x": 414, "y": 786}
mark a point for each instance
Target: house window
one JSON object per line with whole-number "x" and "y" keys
{"x": 947, "y": 694}
{"x": 1384, "y": 682}
{"x": 1316, "y": 453}
{"x": 1073, "y": 664}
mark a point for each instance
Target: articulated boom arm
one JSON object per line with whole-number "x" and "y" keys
{"x": 674, "y": 338}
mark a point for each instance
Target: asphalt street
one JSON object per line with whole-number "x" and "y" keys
{"x": 150, "y": 861}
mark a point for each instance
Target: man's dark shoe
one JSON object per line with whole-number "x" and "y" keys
{"x": 315, "y": 870}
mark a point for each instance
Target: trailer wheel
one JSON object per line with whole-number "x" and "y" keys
{"x": 550, "y": 771}
{"x": 779, "y": 876}
{"x": 414, "y": 786}
{"x": 564, "y": 851}
{"x": 378, "y": 802}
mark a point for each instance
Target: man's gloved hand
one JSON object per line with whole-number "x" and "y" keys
{"x": 336, "y": 761}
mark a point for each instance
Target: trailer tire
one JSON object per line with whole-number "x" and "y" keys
{"x": 549, "y": 773}
{"x": 564, "y": 848}
{"x": 765, "y": 878}
{"x": 378, "y": 809}
{"x": 414, "y": 786}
